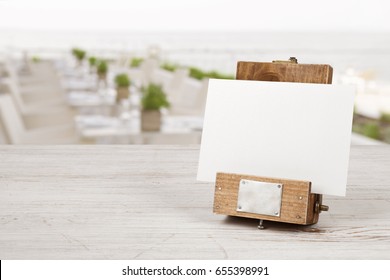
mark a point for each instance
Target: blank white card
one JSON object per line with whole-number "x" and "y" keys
{"x": 284, "y": 130}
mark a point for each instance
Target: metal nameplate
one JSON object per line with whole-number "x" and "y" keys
{"x": 259, "y": 197}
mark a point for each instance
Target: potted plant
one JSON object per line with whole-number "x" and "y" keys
{"x": 169, "y": 67}
{"x": 102, "y": 69}
{"x": 92, "y": 63}
{"x": 79, "y": 54}
{"x": 35, "y": 59}
{"x": 136, "y": 62}
{"x": 122, "y": 82}
{"x": 152, "y": 101}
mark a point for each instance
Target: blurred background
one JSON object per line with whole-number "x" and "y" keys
{"x": 136, "y": 72}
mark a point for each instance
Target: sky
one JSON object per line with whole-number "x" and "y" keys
{"x": 197, "y": 15}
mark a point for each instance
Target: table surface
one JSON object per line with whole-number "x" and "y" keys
{"x": 143, "y": 202}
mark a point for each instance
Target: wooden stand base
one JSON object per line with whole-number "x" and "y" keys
{"x": 298, "y": 204}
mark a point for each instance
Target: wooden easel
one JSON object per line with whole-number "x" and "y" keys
{"x": 294, "y": 201}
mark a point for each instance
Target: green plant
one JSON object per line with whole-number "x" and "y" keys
{"x": 92, "y": 61}
{"x": 199, "y": 74}
{"x": 169, "y": 67}
{"x": 385, "y": 117}
{"x": 196, "y": 73}
{"x": 102, "y": 67}
{"x": 79, "y": 53}
{"x": 35, "y": 59}
{"x": 371, "y": 130}
{"x": 154, "y": 98}
{"x": 136, "y": 62}
{"x": 122, "y": 80}
{"x": 217, "y": 75}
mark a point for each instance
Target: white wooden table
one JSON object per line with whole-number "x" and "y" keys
{"x": 113, "y": 130}
{"x": 143, "y": 202}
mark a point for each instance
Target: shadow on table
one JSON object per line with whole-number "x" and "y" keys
{"x": 269, "y": 225}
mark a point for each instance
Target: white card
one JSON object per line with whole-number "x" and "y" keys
{"x": 284, "y": 130}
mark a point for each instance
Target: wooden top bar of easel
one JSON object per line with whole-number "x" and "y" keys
{"x": 284, "y": 72}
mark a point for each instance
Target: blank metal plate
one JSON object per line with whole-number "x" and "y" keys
{"x": 259, "y": 197}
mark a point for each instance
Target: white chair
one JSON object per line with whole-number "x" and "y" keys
{"x": 42, "y": 114}
{"x": 173, "y": 83}
{"x": 48, "y": 88}
{"x": 190, "y": 98}
{"x": 32, "y": 101}
{"x": 148, "y": 68}
{"x": 40, "y": 72}
{"x": 3, "y": 134}
{"x": 38, "y": 114}
{"x": 18, "y": 134}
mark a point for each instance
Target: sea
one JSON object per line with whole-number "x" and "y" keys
{"x": 345, "y": 51}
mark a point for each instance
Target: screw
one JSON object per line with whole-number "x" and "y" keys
{"x": 243, "y": 182}
{"x": 219, "y": 188}
{"x": 324, "y": 208}
{"x": 300, "y": 198}
{"x": 260, "y": 226}
{"x": 279, "y": 186}
{"x": 298, "y": 217}
{"x": 239, "y": 207}
{"x": 276, "y": 213}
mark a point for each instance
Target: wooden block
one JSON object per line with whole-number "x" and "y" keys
{"x": 284, "y": 72}
{"x": 298, "y": 203}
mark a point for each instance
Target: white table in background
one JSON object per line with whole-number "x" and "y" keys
{"x": 110, "y": 130}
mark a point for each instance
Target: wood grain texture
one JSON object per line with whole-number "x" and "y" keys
{"x": 143, "y": 202}
{"x": 284, "y": 72}
{"x": 295, "y": 199}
